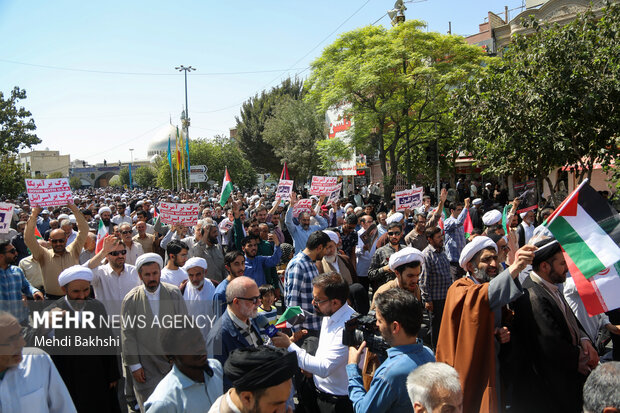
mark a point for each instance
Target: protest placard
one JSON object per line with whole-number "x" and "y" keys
{"x": 6, "y": 213}
{"x": 184, "y": 214}
{"x": 409, "y": 199}
{"x": 323, "y": 185}
{"x": 49, "y": 192}
{"x": 226, "y": 225}
{"x": 285, "y": 187}
{"x": 303, "y": 205}
{"x": 333, "y": 197}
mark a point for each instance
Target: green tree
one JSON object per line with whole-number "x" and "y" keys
{"x": 116, "y": 181}
{"x": 16, "y": 126}
{"x": 124, "y": 176}
{"x": 293, "y": 132}
{"x": 55, "y": 175}
{"x": 144, "y": 177}
{"x": 397, "y": 82}
{"x": 75, "y": 182}
{"x": 551, "y": 101}
{"x": 251, "y": 123}
{"x": 12, "y": 176}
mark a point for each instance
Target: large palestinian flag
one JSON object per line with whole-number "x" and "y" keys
{"x": 588, "y": 229}
{"x": 227, "y": 188}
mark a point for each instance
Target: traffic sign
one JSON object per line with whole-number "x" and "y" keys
{"x": 195, "y": 169}
{"x": 198, "y": 177}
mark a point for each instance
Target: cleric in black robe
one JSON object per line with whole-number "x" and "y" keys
{"x": 90, "y": 372}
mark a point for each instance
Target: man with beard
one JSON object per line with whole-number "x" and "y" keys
{"x": 134, "y": 249}
{"x": 173, "y": 273}
{"x": 380, "y": 272}
{"x": 261, "y": 380}
{"x": 334, "y": 262}
{"x": 198, "y": 292}
{"x": 472, "y": 331}
{"x": 28, "y": 382}
{"x": 423, "y": 221}
{"x": 555, "y": 354}
{"x": 257, "y": 265}
{"x": 149, "y": 302}
{"x": 302, "y": 231}
{"x": 13, "y": 284}
{"x": 90, "y": 373}
{"x": 234, "y": 261}
{"x": 105, "y": 215}
{"x": 328, "y": 365}
{"x": 236, "y": 328}
{"x": 209, "y": 249}
{"x": 194, "y": 383}
{"x": 60, "y": 257}
{"x": 407, "y": 265}
{"x": 399, "y": 318}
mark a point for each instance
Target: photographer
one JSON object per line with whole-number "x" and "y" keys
{"x": 330, "y": 294}
{"x": 399, "y": 317}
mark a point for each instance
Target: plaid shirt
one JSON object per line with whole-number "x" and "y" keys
{"x": 435, "y": 278}
{"x": 455, "y": 236}
{"x": 298, "y": 277}
{"x": 380, "y": 259}
{"x": 13, "y": 284}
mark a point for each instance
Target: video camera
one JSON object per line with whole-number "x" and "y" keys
{"x": 364, "y": 328}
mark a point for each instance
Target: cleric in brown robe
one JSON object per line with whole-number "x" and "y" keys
{"x": 471, "y": 331}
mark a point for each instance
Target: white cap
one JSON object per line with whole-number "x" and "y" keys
{"x": 195, "y": 262}
{"x": 477, "y": 244}
{"x": 148, "y": 258}
{"x": 397, "y": 217}
{"x": 492, "y": 217}
{"x": 77, "y": 272}
{"x": 332, "y": 236}
{"x": 62, "y": 216}
{"x": 477, "y": 201}
{"x": 404, "y": 256}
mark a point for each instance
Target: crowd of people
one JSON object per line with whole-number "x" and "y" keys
{"x": 396, "y": 311}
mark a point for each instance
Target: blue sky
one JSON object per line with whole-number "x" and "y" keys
{"x": 96, "y": 116}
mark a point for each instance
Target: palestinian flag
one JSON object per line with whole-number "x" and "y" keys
{"x": 505, "y": 223}
{"x": 226, "y": 189}
{"x": 588, "y": 229}
{"x": 284, "y": 174}
{"x": 468, "y": 226}
{"x": 443, "y": 217}
{"x": 37, "y": 234}
{"x": 291, "y": 317}
{"x": 155, "y": 214}
{"x": 102, "y": 232}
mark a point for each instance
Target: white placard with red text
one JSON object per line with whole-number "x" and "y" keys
{"x": 6, "y": 214}
{"x": 323, "y": 185}
{"x": 184, "y": 214}
{"x": 49, "y": 192}
{"x": 333, "y": 197}
{"x": 409, "y": 199}
{"x": 303, "y": 205}
{"x": 285, "y": 187}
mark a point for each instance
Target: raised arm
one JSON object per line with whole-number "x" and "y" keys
{"x": 29, "y": 238}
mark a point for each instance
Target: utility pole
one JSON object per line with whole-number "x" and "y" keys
{"x": 130, "y": 171}
{"x": 185, "y": 118}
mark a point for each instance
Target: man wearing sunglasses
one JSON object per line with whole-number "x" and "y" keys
{"x": 236, "y": 328}
{"x": 60, "y": 257}
{"x": 134, "y": 249}
{"x": 379, "y": 272}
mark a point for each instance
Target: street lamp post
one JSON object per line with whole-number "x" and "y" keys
{"x": 130, "y": 167}
{"x": 186, "y": 117}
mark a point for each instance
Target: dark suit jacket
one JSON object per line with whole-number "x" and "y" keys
{"x": 224, "y": 337}
{"x": 546, "y": 377}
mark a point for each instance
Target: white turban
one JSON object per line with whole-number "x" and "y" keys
{"x": 397, "y": 217}
{"x": 77, "y": 272}
{"x": 72, "y": 219}
{"x": 347, "y": 206}
{"x": 148, "y": 258}
{"x": 332, "y": 236}
{"x": 357, "y": 209}
{"x": 477, "y": 201}
{"x": 195, "y": 262}
{"x": 61, "y": 217}
{"x": 104, "y": 209}
{"x": 492, "y": 217}
{"x": 477, "y": 244}
{"x": 405, "y": 256}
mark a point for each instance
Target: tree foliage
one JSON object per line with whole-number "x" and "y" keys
{"x": 75, "y": 182}
{"x": 398, "y": 83}
{"x": 216, "y": 154}
{"x": 251, "y": 123}
{"x": 293, "y": 132}
{"x": 16, "y": 126}
{"x": 144, "y": 177}
{"x": 124, "y": 176}
{"x": 54, "y": 175}
{"x": 551, "y": 101}
{"x": 12, "y": 176}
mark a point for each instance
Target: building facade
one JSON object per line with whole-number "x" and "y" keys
{"x": 43, "y": 163}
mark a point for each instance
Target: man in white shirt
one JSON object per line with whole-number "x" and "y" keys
{"x": 134, "y": 249}
{"x": 198, "y": 293}
{"x": 121, "y": 218}
{"x": 328, "y": 365}
{"x": 177, "y": 256}
{"x": 525, "y": 231}
{"x": 28, "y": 382}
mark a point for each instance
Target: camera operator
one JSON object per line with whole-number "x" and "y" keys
{"x": 399, "y": 317}
{"x": 328, "y": 366}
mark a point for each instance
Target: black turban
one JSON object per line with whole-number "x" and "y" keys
{"x": 547, "y": 248}
{"x": 254, "y": 368}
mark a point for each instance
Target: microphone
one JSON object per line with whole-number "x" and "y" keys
{"x": 265, "y": 327}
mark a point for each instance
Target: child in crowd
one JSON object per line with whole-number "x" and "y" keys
{"x": 267, "y": 309}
